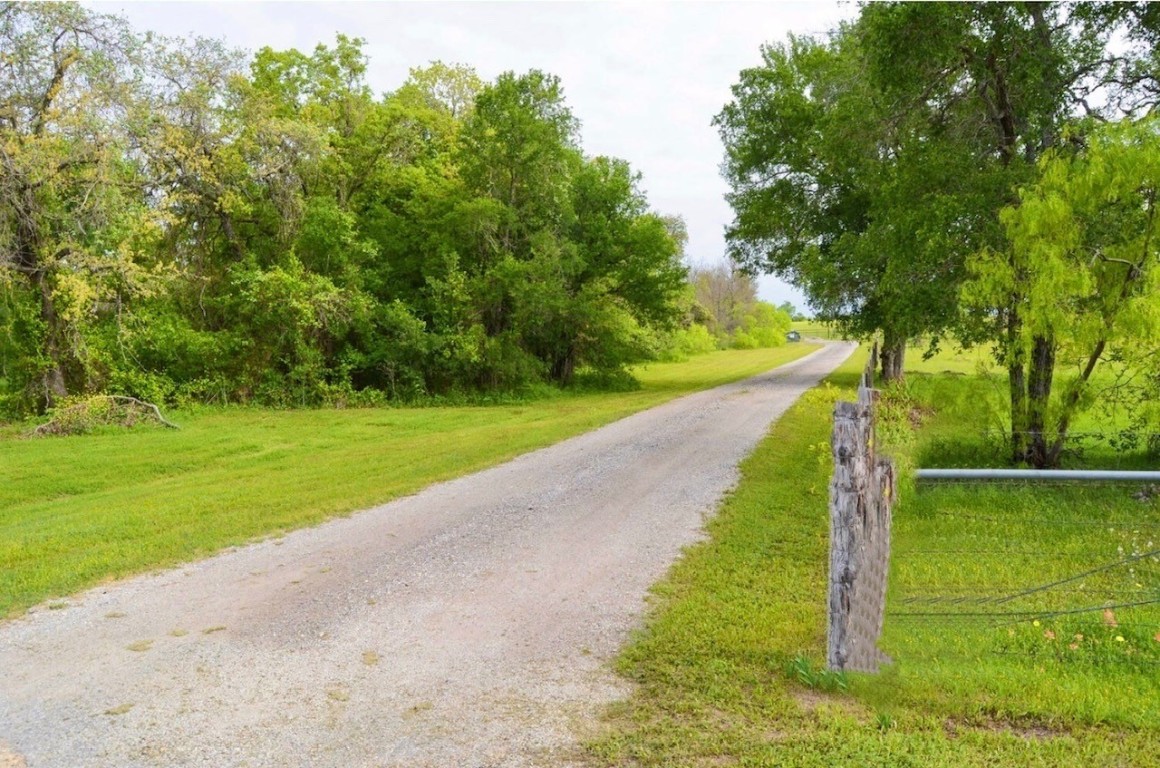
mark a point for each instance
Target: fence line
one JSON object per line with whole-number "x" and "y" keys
{"x": 1031, "y": 613}
{"x": 862, "y": 493}
{"x": 1040, "y": 521}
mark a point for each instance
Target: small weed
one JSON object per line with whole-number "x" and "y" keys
{"x": 178, "y": 632}
{"x": 119, "y": 710}
{"x": 370, "y": 658}
{"x": 114, "y": 615}
{"x": 803, "y": 671}
{"x": 140, "y": 646}
{"x": 418, "y": 709}
{"x": 338, "y": 693}
{"x": 57, "y": 605}
{"x": 211, "y": 630}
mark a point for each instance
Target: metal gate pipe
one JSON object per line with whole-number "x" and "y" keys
{"x": 1091, "y": 475}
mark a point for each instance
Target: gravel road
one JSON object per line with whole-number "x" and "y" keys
{"x": 469, "y": 625}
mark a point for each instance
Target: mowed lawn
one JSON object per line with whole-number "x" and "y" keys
{"x": 77, "y": 511}
{"x": 815, "y": 329}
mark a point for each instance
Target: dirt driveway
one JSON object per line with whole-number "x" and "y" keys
{"x": 468, "y": 625}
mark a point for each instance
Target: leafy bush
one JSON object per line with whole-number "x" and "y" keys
{"x": 763, "y": 326}
{"x": 684, "y": 343}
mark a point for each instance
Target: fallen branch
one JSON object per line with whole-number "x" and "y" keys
{"x": 142, "y": 404}
{"x": 100, "y": 410}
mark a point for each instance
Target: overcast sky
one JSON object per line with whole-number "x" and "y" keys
{"x": 644, "y": 79}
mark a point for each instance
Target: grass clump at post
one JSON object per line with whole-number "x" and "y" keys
{"x": 730, "y": 667}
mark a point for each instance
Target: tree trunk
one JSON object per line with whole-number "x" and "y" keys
{"x": 1017, "y": 383}
{"x": 893, "y": 355}
{"x": 563, "y": 368}
{"x": 53, "y": 383}
{"x": 1041, "y": 369}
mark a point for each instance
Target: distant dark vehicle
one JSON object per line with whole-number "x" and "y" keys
{"x": 793, "y": 336}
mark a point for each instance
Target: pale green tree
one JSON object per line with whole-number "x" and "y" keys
{"x": 73, "y": 224}
{"x": 1082, "y": 270}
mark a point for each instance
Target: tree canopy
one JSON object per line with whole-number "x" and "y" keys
{"x": 182, "y": 221}
{"x": 870, "y": 166}
{"x": 1081, "y": 271}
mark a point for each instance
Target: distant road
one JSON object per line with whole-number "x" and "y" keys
{"x": 469, "y": 625}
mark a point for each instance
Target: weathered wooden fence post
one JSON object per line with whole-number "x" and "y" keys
{"x": 862, "y": 492}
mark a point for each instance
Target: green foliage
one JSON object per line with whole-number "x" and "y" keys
{"x": 1083, "y": 244}
{"x": 868, "y": 165}
{"x": 74, "y": 223}
{"x": 810, "y": 674}
{"x": 1079, "y": 280}
{"x": 762, "y": 325}
{"x": 271, "y": 231}
{"x": 724, "y": 301}
{"x": 687, "y": 342}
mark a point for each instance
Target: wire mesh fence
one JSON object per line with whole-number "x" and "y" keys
{"x": 1026, "y": 574}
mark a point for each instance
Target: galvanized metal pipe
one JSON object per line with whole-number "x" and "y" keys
{"x": 1094, "y": 475}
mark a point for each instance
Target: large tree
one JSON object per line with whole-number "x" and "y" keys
{"x": 73, "y": 222}
{"x": 824, "y": 181}
{"x": 725, "y": 293}
{"x": 1005, "y": 81}
{"x": 570, "y": 266}
{"x": 947, "y": 109}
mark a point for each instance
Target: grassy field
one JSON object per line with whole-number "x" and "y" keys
{"x": 729, "y": 667}
{"x": 76, "y": 511}
{"x": 975, "y": 412}
{"x": 815, "y": 329}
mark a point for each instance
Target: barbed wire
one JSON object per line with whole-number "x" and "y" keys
{"x": 1118, "y": 661}
{"x": 983, "y": 599}
{"x": 1040, "y": 614}
{"x": 1091, "y": 572}
{"x": 987, "y": 622}
{"x": 1029, "y": 655}
{"x": 1003, "y": 552}
{"x": 1038, "y": 483}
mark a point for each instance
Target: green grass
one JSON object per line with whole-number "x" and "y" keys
{"x": 728, "y": 666}
{"x": 76, "y": 511}
{"x": 971, "y": 392}
{"x": 815, "y": 329}
{"x": 974, "y": 549}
